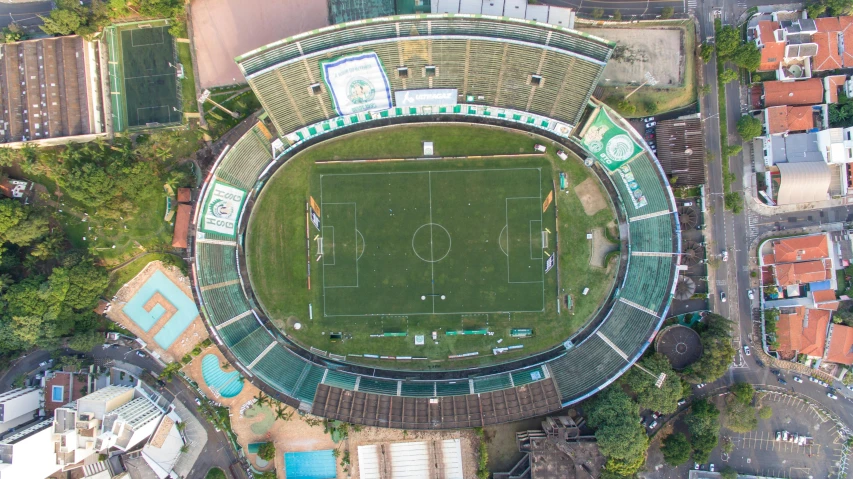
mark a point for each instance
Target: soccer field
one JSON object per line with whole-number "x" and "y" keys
{"x": 143, "y": 78}
{"x": 434, "y": 241}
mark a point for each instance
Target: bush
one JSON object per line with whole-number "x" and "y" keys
{"x": 196, "y": 351}
{"x": 676, "y": 449}
{"x": 765, "y": 412}
{"x": 267, "y": 451}
{"x": 597, "y": 13}
{"x": 666, "y": 12}
{"x": 617, "y": 16}
{"x": 206, "y": 343}
{"x": 186, "y": 359}
{"x": 748, "y": 127}
{"x": 728, "y": 75}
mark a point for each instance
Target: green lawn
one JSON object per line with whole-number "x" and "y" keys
{"x": 188, "y": 94}
{"x": 244, "y": 103}
{"x": 469, "y": 276}
{"x": 215, "y": 473}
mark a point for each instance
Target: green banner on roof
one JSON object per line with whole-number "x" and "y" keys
{"x": 607, "y": 142}
{"x": 222, "y": 209}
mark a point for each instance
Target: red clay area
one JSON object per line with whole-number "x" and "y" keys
{"x": 225, "y": 29}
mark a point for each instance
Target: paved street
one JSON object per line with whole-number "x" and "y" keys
{"x": 24, "y": 14}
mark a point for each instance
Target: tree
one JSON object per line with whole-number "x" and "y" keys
{"x": 717, "y": 351}
{"x": 747, "y": 56}
{"x": 815, "y": 9}
{"x": 704, "y": 427}
{"x": 626, "y": 107}
{"x": 766, "y": 412}
{"x": 621, "y": 438}
{"x": 733, "y": 202}
{"x": 748, "y": 127}
{"x": 740, "y": 417}
{"x": 706, "y": 51}
{"x": 728, "y": 75}
{"x": 185, "y": 448}
{"x": 727, "y": 41}
{"x": 21, "y": 224}
{"x": 85, "y": 341}
{"x": 743, "y": 393}
{"x": 617, "y": 16}
{"x": 676, "y": 450}
{"x": 597, "y": 13}
{"x": 663, "y": 399}
{"x": 706, "y": 89}
{"x": 267, "y": 451}
{"x": 728, "y": 473}
{"x": 666, "y": 12}
{"x": 169, "y": 371}
{"x": 62, "y": 22}
{"x": 266, "y": 475}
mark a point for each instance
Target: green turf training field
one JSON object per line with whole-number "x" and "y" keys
{"x": 143, "y": 76}
{"x": 436, "y": 241}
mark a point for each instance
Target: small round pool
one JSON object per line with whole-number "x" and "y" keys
{"x": 226, "y": 384}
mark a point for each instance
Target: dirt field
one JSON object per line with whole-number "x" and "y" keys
{"x": 224, "y": 29}
{"x": 641, "y": 50}
{"x": 592, "y": 199}
{"x": 195, "y": 332}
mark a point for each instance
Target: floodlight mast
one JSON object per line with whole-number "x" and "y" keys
{"x": 659, "y": 378}
{"x": 650, "y": 80}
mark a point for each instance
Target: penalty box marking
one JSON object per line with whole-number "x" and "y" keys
{"x": 355, "y": 247}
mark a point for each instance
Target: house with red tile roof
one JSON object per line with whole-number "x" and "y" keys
{"x": 831, "y": 85}
{"x": 801, "y": 248}
{"x": 788, "y": 93}
{"x": 828, "y": 56}
{"x": 840, "y": 345}
{"x": 787, "y": 119}
{"x": 772, "y": 49}
{"x": 802, "y": 331}
{"x": 825, "y": 299}
{"x": 805, "y": 272}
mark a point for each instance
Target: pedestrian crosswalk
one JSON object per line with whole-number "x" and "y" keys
{"x": 752, "y": 221}
{"x": 691, "y": 4}
{"x": 741, "y": 5}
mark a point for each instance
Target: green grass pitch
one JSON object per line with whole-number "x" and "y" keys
{"x": 473, "y": 276}
{"x": 150, "y": 85}
{"x": 437, "y": 241}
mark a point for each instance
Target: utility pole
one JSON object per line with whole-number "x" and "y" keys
{"x": 205, "y": 96}
{"x": 650, "y": 80}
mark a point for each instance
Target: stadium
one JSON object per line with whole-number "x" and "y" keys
{"x": 358, "y": 85}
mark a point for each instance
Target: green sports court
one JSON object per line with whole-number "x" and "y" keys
{"x": 144, "y": 86}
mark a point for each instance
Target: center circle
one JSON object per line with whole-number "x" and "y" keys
{"x": 680, "y": 348}
{"x": 431, "y": 242}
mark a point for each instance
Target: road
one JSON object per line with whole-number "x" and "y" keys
{"x": 734, "y": 233}
{"x": 24, "y": 14}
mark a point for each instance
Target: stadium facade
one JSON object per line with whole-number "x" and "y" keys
{"x": 426, "y": 68}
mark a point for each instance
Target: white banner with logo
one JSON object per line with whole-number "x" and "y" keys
{"x": 437, "y": 97}
{"x": 357, "y": 83}
{"x": 222, "y": 210}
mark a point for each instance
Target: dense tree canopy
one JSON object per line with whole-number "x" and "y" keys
{"x": 717, "y": 353}
{"x": 703, "y": 423}
{"x": 727, "y": 41}
{"x": 663, "y": 399}
{"x": 676, "y": 449}
{"x": 748, "y": 127}
{"x": 747, "y": 56}
{"x": 621, "y": 438}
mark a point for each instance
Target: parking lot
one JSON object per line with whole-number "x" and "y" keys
{"x": 758, "y": 452}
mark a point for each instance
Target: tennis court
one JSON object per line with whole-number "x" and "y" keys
{"x": 143, "y": 81}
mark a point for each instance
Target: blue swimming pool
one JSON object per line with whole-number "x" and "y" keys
{"x": 310, "y": 465}
{"x": 57, "y": 393}
{"x": 185, "y": 306}
{"x": 228, "y": 384}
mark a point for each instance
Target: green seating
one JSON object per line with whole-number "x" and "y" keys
{"x": 306, "y": 388}
{"x": 281, "y": 369}
{"x": 216, "y": 263}
{"x": 492, "y": 383}
{"x": 648, "y": 177}
{"x": 626, "y": 326}
{"x": 417, "y": 389}
{"x": 653, "y": 235}
{"x": 459, "y": 387}
{"x": 340, "y": 380}
{"x": 224, "y": 303}
{"x": 239, "y": 330}
{"x": 246, "y": 160}
{"x": 648, "y": 280}
{"x": 378, "y": 386}
{"x": 527, "y": 376}
{"x": 252, "y": 345}
{"x": 583, "y": 369}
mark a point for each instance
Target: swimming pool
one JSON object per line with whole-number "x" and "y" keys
{"x": 57, "y": 393}
{"x": 227, "y": 384}
{"x": 310, "y": 465}
{"x": 185, "y": 306}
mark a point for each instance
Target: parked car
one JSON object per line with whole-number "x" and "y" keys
{"x": 688, "y": 203}
{"x": 831, "y": 396}
{"x": 750, "y": 294}
{"x": 562, "y": 154}
{"x": 778, "y": 435}
{"x": 644, "y": 422}
{"x": 198, "y": 401}
{"x": 781, "y": 380}
{"x": 43, "y": 364}
{"x": 651, "y": 124}
{"x": 711, "y": 467}
{"x": 653, "y": 425}
{"x": 682, "y": 402}
{"x": 723, "y": 296}
{"x": 646, "y": 120}
{"x": 700, "y": 385}
{"x": 725, "y": 255}
{"x": 850, "y": 387}
{"x": 539, "y": 148}
{"x": 746, "y": 350}
{"x": 696, "y": 466}
{"x": 140, "y": 354}
{"x": 798, "y": 379}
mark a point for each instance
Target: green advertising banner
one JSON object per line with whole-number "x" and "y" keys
{"x": 609, "y": 143}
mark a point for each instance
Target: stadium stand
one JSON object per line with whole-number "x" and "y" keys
{"x": 492, "y": 60}
{"x": 471, "y": 54}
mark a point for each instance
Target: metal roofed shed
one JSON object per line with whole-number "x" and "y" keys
{"x": 803, "y": 182}
{"x": 564, "y": 17}
{"x": 434, "y": 459}
{"x": 341, "y": 11}
{"x": 681, "y": 151}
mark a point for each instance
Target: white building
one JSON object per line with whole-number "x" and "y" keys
{"x": 161, "y": 452}
{"x": 27, "y": 454}
{"x": 114, "y": 417}
{"x": 18, "y": 406}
